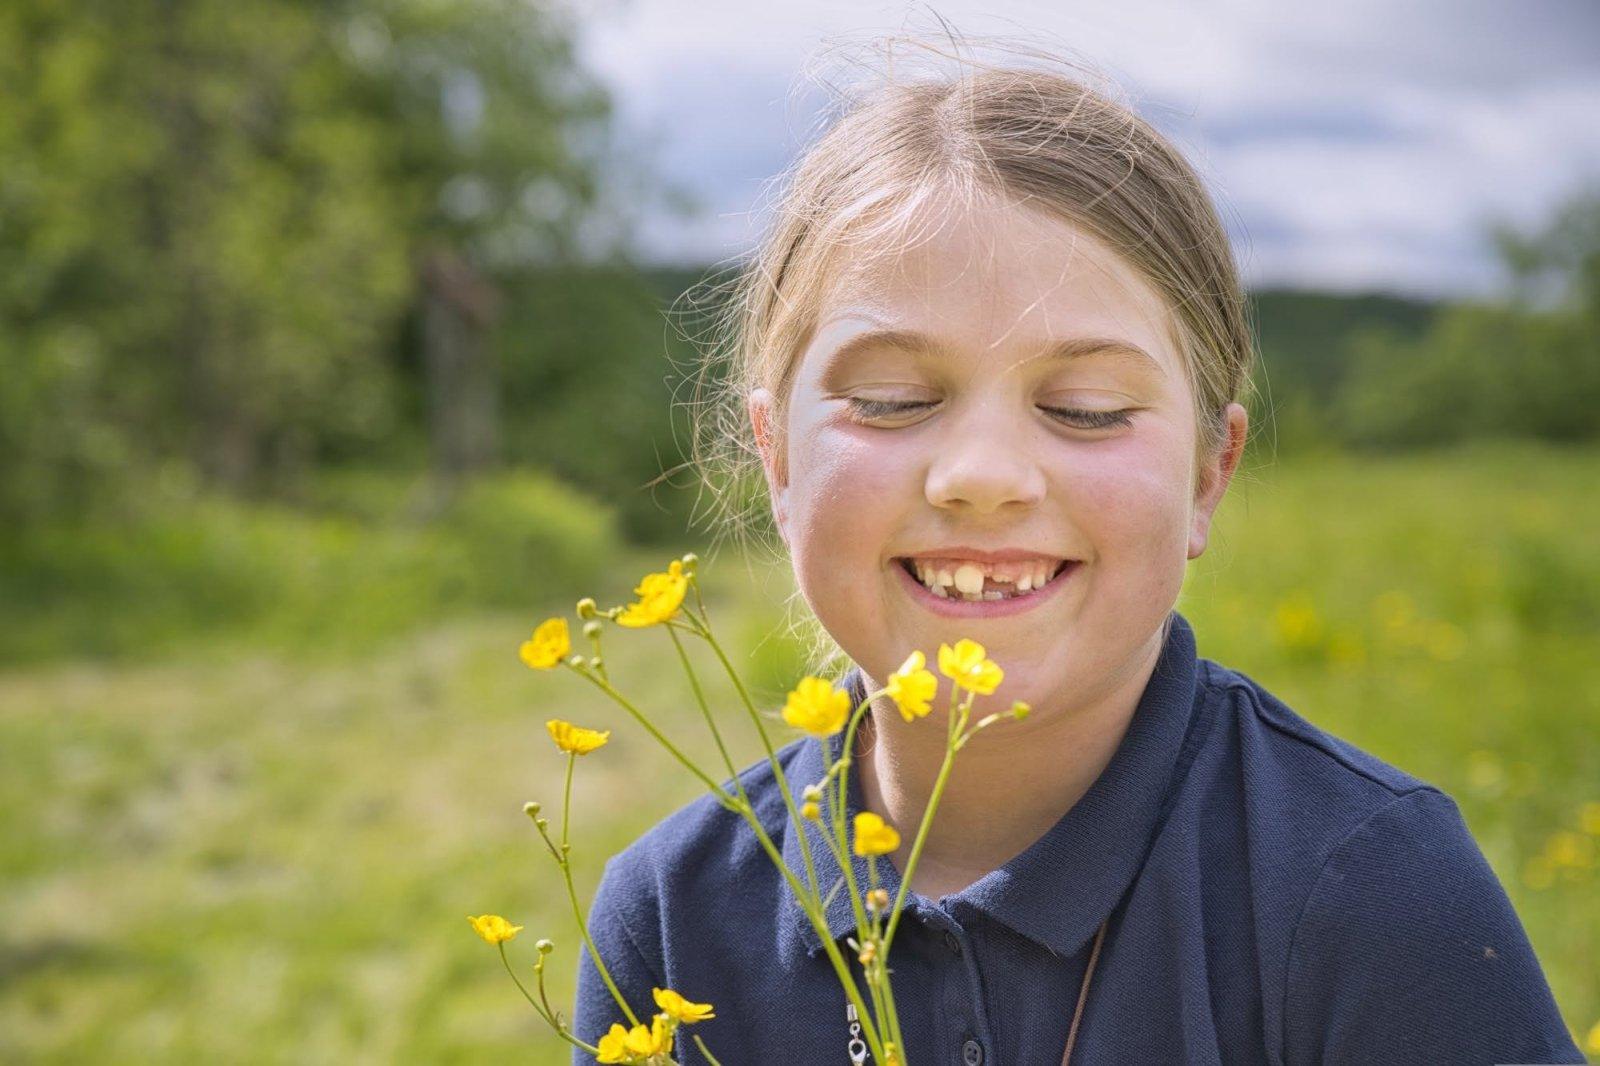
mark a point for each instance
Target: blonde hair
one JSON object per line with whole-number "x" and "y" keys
{"x": 1032, "y": 134}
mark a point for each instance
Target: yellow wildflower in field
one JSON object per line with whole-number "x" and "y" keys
{"x": 660, "y": 596}
{"x": 810, "y": 811}
{"x": 912, "y": 686}
{"x": 966, "y": 664}
{"x": 494, "y": 928}
{"x": 817, "y": 707}
{"x": 575, "y": 738}
{"x": 874, "y": 836}
{"x": 636, "y": 1045}
{"x": 548, "y": 645}
{"x": 680, "y": 1008}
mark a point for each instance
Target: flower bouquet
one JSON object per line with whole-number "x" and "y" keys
{"x": 815, "y": 707}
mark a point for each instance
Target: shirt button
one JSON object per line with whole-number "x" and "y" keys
{"x": 954, "y": 944}
{"x": 972, "y": 1053}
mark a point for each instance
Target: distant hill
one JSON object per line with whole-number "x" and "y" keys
{"x": 1304, "y": 335}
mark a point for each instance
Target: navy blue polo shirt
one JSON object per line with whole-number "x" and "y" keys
{"x": 1274, "y": 895}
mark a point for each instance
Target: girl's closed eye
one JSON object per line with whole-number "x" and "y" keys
{"x": 862, "y": 409}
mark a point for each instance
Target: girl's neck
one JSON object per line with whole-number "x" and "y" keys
{"x": 1007, "y": 787}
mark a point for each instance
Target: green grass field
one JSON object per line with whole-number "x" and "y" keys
{"x": 264, "y": 857}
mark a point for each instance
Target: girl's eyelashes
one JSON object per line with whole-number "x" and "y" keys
{"x": 1081, "y": 418}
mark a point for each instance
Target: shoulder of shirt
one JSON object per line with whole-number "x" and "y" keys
{"x": 702, "y": 842}
{"x": 1366, "y": 772}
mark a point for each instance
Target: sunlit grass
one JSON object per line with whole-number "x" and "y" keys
{"x": 257, "y": 858}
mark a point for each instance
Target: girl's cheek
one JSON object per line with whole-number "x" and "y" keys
{"x": 1131, "y": 490}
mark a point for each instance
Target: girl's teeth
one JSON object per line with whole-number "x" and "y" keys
{"x": 967, "y": 580}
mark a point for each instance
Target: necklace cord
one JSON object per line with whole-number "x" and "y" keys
{"x": 1083, "y": 993}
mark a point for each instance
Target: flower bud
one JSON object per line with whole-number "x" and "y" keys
{"x": 531, "y": 808}
{"x": 592, "y": 630}
{"x": 878, "y": 900}
{"x": 596, "y": 663}
{"x": 690, "y": 561}
{"x": 812, "y": 793}
{"x": 587, "y": 608}
{"x": 575, "y": 661}
{"x": 545, "y": 946}
{"x": 542, "y": 823}
{"x": 868, "y": 953}
{"x": 810, "y": 811}
{"x": 1020, "y": 710}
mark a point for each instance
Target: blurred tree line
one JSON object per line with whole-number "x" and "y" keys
{"x": 245, "y": 243}
{"x": 242, "y": 241}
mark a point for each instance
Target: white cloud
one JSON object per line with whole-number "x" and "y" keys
{"x": 1355, "y": 144}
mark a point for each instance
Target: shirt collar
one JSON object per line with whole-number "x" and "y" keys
{"x": 1058, "y": 890}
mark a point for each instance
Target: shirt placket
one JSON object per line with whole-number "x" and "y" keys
{"x": 966, "y": 1016}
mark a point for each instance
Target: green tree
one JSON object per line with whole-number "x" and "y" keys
{"x": 1527, "y": 365}
{"x": 212, "y": 216}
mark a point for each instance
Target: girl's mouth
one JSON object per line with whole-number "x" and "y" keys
{"x": 996, "y": 598}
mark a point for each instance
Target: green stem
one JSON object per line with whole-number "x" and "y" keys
{"x": 701, "y": 1044}
{"x": 577, "y": 908}
{"x": 705, "y": 710}
{"x": 795, "y": 820}
{"x": 639, "y": 716}
{"x": 957, "y": 720}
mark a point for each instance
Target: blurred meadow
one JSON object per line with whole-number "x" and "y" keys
{"x": 325, "y": 374}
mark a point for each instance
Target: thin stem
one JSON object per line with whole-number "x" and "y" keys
{"x": 605, "y": 686}
{"x": 705, "y": 709}
{"x": 566, "y": 802}
{"x": 577, "y": 909}
{"x": 957, "y": 720}
{"x": 766, "y": 741}
{"x": 701, "y": 1044}
{"x": 559, "y": 1027}
{"x": 523, "y": 988}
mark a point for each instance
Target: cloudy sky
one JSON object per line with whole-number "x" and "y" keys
{"x": 1355, "y": 144}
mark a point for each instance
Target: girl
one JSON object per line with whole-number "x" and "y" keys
{"x": 990, "y": 359}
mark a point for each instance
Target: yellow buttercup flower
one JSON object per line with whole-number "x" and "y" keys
{"x": 817, "y": 707}
{"x": 660, "y": 596}
{"x": 575, "y": 738}
{"x": 549, "y": 644}
{"x": 636, "y": 1045}
{"x": 874, "y": 836}
{"x": 912, "y": 686}
{"x": 966, "y": 665}
{"x": 613, "y": 1046}
{"x": 680, "y": 1008}
{"x": 494, "y": 928}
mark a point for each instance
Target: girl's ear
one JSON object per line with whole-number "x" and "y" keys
{"x": 759, "y": 404}
{"x": 1214, "y": 478}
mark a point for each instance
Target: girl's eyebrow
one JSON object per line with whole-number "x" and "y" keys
{"x": 915, "y": 343}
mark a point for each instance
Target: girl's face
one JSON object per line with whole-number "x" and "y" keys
{"x": 1005, "y": 392}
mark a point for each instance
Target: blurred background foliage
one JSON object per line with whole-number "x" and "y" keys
{"x": 324, "y": 371}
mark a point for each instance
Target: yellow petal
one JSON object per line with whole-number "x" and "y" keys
{"x": 493, "y": 928}
{"x": 549, "y": 644}
{"x": 680, "y": 1008}
{"x": 874, "y": 836}
{"x": 817, "y": 707}
{"x": 575, "y": 739}
{"x": 660, "y": 596}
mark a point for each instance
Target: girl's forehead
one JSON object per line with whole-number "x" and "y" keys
{"x": 997, "y": 274}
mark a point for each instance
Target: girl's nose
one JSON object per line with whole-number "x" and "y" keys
{"x": 985, "y": 464}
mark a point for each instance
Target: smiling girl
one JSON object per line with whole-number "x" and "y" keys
{"x": 990, "y": 357}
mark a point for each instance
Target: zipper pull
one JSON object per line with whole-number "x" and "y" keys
{"x": 858, "y": 1046}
